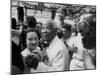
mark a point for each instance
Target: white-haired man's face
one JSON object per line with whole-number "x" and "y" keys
{"x": 46, "y": 29}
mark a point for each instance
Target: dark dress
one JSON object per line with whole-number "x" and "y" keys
{"x": 16, "y": 58}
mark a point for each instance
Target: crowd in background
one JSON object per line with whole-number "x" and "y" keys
{"x": 46, "y": 46}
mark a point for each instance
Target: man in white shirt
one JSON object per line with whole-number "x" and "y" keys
{"x": 57, "y": 53}
{"x": 68, "y": 39}
{"x": 75, "y": 47}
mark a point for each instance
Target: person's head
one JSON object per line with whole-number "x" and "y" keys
{"x": 74, "y": 32}
{"x": 63, "y": 11}
{"x": 32, "y": 39}
{"x": 13, "y": 23}
{"x": 59, "y": 33}
{"x": 84, "y": 23}
{"x": 66, "y": 28}
{"x": 83, "y": 27}
{"x": 47, "y": 28}
{"x": 39, "y": 26}
{"x": 31, "y": 21}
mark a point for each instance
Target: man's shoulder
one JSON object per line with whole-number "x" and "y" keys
{"x": 59, "y": 47}
{"x": 60, "y": 44}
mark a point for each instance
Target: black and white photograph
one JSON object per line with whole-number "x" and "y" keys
{"x": 51, "y": 37}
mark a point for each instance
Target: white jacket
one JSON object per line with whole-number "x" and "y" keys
{"x": 58, "y": 57}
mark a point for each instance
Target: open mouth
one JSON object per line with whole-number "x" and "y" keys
{"x": 33, "y": 45}
{"x": 44, "y": 34}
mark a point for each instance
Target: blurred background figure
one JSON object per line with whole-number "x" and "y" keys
{"x": 31, "y": 21}
{"x": 84, "y": 31}
{"x": 89, "y": 42}
{"x": 68, "y": 39}
{"x": 39, "y": 28}
{"x": 59, "y": 33}
{"x": 17, "y": 62}
{"x": 66, "y": 28}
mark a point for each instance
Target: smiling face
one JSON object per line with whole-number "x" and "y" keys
{"x": 46, "y": 29}
{"x": 32, "y": 40}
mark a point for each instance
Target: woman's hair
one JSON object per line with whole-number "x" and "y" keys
{"x": 32, "y": 30}
{"x": 89, "y": 40}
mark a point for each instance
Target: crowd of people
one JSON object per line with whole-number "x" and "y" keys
{"x": 45, "y": 47}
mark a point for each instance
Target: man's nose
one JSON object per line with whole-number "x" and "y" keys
{"x": 44, "y": 30}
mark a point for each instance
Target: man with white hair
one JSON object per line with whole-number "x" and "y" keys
{"x": 56, "y": 53}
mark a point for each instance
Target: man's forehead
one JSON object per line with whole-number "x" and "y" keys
{"x": 49, "y": 25}
{"x": 44, "y": 25}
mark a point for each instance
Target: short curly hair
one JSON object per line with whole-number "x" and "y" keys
{"x": 51, "y": 23}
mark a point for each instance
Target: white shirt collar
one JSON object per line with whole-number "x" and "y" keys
{"x": 54, "y": 40}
